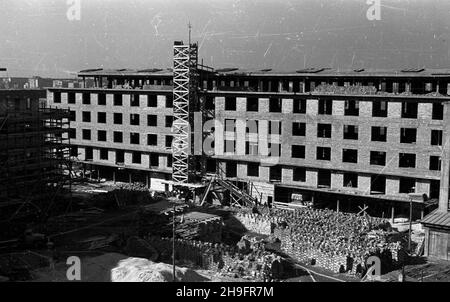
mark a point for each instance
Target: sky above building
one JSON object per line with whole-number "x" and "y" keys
{"x": 53, "y": 38}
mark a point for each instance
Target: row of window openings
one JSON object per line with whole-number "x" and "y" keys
{"x": 152, "y": 119}
{"x": 136, "y": 156}
{"x": 152, "y": 139}
{"x": 350, "y": 179}
{"x": 406, "y": 160}
{"x": 152, "y": 100}
{"x": 325, "y": 107}
{"x": 407, "y": 135}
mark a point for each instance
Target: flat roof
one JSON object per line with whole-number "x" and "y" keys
{"x": 303, "y": 72}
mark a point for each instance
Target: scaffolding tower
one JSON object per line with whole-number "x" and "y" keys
{"x": 185, "y": 102}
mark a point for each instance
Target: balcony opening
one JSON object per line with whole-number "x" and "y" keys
{"x": 152, "y": 120}
{"x": 326, "y": 107}
{"x": 134, "y": 119}
{"x": 407, "y": 185}
{"x": 136, "y": 157}
{"x": 275, "y": 173}
{"x": 118, "y": 137}
{"x": 438, "y": 111}
{"x": 378, "y": 158}
{"x": 101, "y": 117}
{"x": 134, "y": 100}
{"x": 230, "y": 103}
{"x": 71, "y": 98}
{"x": 299, "y": 106}
{"x": 169, "y": 139}
{"x": 154, "y": 160}
{"x": 379, "y": 134}
{"x": 120, "y": 157}
{"x": 324, "y": 130}
{"x": 152, "y": 100}
{"x": 408, "y": 135}
{"x": 86, "y": 98}
{"x": 101, "y": 135}
{"x": 409, "y": 110}
{"x": 407, "y": 160}
{"x": 57, "y": 97}
{"x": 210, "y": 165}
{"x": 323, "y": 153}
{"x": 298, "y": 151}
{"x": 351, "y": 108}
{"x": 210, "y": 103}
{"x": 231, "y": 169}
{"x": 101, "y": 99}
{"x": 349, "y": 155}
{"x": 86, "y": 134}
{"x": 117, "y": 117}
{"x": 103, "y": 154}
{"x": 377, "y": 184}
{"x": 350, "y": 180}
{"x": 379, "y": 108}
{"x": 299, "y": 174}
{"x": 152, "y": 139}
{"x": 169, "y": 121}
{"x": 436, "y": 137}
{"x": 324, "y": 178}
{"x": 351, "y": 132}
{"x": 252, "y": 104}
{"x": 86, "y": 116}
{"x": 134, "y": 138}
{"x": 89, "y": 153}
{"x": 298, "y": 129}
{"x": 169, "y": 101}
{"x": 274, "y": 105}
{"x": 435, "y": 163}
{"x": 117, "y": 99}
{"x": 253, "y": 169}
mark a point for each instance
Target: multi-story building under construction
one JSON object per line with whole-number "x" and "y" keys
{"x": 33, "y": 147}
{"x": 354, "y": 140}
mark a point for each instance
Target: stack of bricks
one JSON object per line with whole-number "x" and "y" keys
{"x": 261, "y": 224}
{"x": 221, "y": 258}
{"x": 336, "y": 241}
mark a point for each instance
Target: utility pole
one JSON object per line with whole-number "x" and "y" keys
{"x": 410, "y": 224}
{"x": 173, "y": 244}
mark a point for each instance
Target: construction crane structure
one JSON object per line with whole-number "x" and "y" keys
{"x": 188, "y": 166}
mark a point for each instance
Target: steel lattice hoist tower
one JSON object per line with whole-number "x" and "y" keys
{"x": 185, "y": 82}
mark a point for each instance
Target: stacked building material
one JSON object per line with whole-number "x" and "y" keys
{"x": 223, "y": 259}
{"x": 261, "y": 224}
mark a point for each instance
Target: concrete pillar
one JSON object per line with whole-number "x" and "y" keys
{"x": 445, "y": 165}
{"x": 337, "y": 206}
{"x": 129, "y": 178}
{"x": 114, "y": 176}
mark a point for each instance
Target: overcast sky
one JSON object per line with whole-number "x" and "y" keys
{"x": 37, "y": 37}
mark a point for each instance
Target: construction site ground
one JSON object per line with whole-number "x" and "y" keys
{"x": 95, "y": 236}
